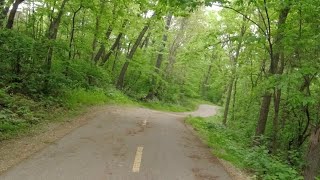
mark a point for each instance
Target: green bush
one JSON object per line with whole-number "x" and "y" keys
{"x": 82, "y": 97}
{"x": 229, "y": 145}
{"x": 17, "y": 114}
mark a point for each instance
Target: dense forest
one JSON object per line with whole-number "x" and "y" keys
{"x": 258, "y": 59}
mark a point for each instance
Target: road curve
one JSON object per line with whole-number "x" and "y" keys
{"x": 123, "y": 143}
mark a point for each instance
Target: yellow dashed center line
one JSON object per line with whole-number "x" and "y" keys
{"x": 137, "y": 160}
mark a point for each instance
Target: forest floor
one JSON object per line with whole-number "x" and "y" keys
{"x": 107, "y": 142}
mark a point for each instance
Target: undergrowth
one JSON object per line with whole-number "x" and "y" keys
{"x": 178, "y": 106}
{"x": 19, "y": 114}
{"x": 228, "y": 145}
{"x": 81, "y": 97}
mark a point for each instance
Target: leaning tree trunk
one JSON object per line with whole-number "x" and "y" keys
{"x": 102, "y": 48}
{"x": 116, "y": 58}
{"x": 152, "y": 90}
{"x": 13, "y": 13}
{"x": 227, "y": 105}
{"x": 113, "y": 47}
{"x": 145, "y": 42}
{"x": 73, "y": 31}
{"x": 120, "y": 83}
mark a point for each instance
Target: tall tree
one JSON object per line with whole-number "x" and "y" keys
{"x": 73, "y": 24}
{"x": 102, "y": 48}
{"x": 52, "y": 35}
{"x": 113, "y": 47}
{"x": 153, "y": 88}
{"x": 234, "y": 56}
{"x": 275, "y": 48}
{"x": 13, "y": 13}
{"x": 120, "y": 82}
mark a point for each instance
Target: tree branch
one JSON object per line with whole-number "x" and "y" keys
{"x": 245, "y": 16}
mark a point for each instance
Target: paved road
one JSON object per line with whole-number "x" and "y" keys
{"x": 125, "y": 144}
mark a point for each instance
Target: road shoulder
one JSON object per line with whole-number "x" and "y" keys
{"x": 234, "y": 172}
{"x": 13, "y": 151}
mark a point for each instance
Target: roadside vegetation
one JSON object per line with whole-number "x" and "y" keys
{"x": 20, "y": 115}
{"x": 229, "y": 144}
{"x": 257, "y": 59}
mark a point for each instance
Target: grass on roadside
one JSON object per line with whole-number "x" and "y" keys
{"x": 21, "y": 115}
{"x": 227, "y": 144}
{"x": 181, "y": 106}
{"x": 81, "y": 97}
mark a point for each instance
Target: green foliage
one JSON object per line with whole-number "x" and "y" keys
{"x": 33, "y": 88}
{"x": 268, "y": 167}
{"x": 177, "y": 106}
{"x": 19, "y": 62}
{"x": 229, "y": 145}
{"x": 81, "y": 97}
{"x": 9, "y": 129}
{"x": 17, "y": 114}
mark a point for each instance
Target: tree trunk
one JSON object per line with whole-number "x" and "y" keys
{"x": 116, "y": 58}
{"x": 229, "y": 94}
{"x": 207, "y": 77}
{"x": 73, "y": 30}
{"x": 313, "y": 155}
{"x": 145, "y": 41}
{"x": 264, "y": 111}
{"x": 175, "y": 46}
{"x": 152, "y": 90}
{"x": 234, "y": 62}
{"x": 52, "y": 35}
{"x": 112, "y": 49}
{"x": 120, "y": 83}
{"x": 275, "y": 50}
{"x": 94, "y": 42}
{"x": 13, "y": 14}
{"x": 234, "y": 99}
{"x": 277, "y": 100}
{"x": 114, "y": 46}
{"x": 275, "y": 127}
{"x": 102, "y": 48}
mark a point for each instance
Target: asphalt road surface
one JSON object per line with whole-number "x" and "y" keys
{"x": 125, "y": 143}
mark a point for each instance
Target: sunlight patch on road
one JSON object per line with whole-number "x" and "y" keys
{"x": 144, "y": 123}
{"x": 137, "y": 160}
